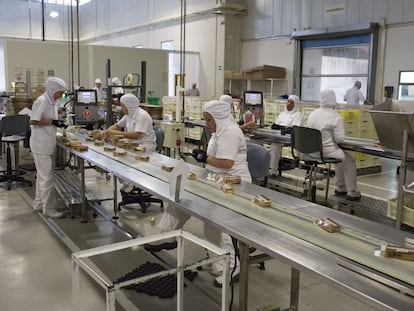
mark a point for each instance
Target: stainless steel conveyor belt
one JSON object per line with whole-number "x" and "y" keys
{"x": 285, "y": 231}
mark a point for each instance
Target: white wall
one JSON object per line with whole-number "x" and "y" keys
{"x": 274, "y": 52}
{"x": 399, "y": 49}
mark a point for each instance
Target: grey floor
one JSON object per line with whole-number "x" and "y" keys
{"x": 36, "y": 267}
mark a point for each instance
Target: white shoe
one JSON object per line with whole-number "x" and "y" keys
{"x": 127, "y": 188}
{"x": 53, "y": 214}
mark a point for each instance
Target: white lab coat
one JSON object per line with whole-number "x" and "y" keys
{"x": 287, "y": 119}
{"x": 139, "y": 120}
{"x": 229, "y": 143}
{"x": 43, "y": 145}
{"x": 354, "y": 96}
{"x": 100, "y": 93}
{"x": 331, "y": 125}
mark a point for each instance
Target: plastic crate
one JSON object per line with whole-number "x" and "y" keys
{"x": 408, "y": 211}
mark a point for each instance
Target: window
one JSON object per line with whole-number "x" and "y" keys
{"x": 406, "y": 85}
{"x": 167, "y": 45}
{"x": 336, "y": 63}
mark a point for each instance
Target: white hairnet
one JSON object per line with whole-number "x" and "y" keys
{"x": 98, "y": 81}
{"x": 54, "y": 85}
{"x": 116, "y": 81}
{"x": 130, "y": 101}
{"x": 219, "y": 110}
{"x": 227, "y": 99}
{"x": 295, "y": 102}
{"x": 221, "y": 113}
{"x": 328, "y": 98}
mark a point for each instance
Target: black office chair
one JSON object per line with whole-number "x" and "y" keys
{"x": 14, "y": 129}
{"x": 307, "y": 147}
{"x": 137, "y": 195}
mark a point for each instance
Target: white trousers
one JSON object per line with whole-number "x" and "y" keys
{"x": 45, "y": 182}
{"x": 173, "y": 219}
{"x": 345, "y": 173}
{"x": 275, "y": 154}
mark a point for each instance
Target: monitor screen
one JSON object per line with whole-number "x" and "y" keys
{"x": 253, "y": 98}
{"x": 86, "y": 97}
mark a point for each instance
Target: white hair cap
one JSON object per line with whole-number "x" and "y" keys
{"x": 219, "y": 110}
{"x": 130, "y": 101}
{"x": 328, "y": 98}
{"x": 227, "y": 99}
{"x": 98, "y": 81}
{"x": 54, "y": 85}
{"x": 116, "y": 81}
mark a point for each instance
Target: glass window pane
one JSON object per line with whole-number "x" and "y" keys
{"x": 312, "y": 86}
{"x": 406, "y": 92}
{"x": 336, "y": 60}
{"x": 407, "y": 77}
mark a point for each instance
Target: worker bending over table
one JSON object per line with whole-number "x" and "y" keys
{"x": 284, "y": 121}
{"x": 226, "y": 154}
{"x": 331, "y": 125}
{"x": 136, "y": 124}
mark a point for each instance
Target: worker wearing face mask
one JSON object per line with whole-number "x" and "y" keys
{"x": 284, "y": 121}
{"x": 226, "y": 154}
{"x": 44, "y": 121}
{"x": 100, "y": 93}
{"x": 331, "y": 125}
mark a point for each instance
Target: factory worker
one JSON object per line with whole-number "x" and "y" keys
{"x": 116, "y": 86}
{"x": 354, "y": 96}
{"x": 193, "y": 91}
{"x": 331, "y": 125}
{"x": 226, "y": 153}
{"x": 137, "y": 123}
{"x": 228, "y": 99}
{"x": 100, "y": 93}
{"x": 44, "y": 120}
{"x": 286, "y": 119}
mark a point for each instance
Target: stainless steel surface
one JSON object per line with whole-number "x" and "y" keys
{"x": 390, "y": 126}
{"x": 287, "y": 241}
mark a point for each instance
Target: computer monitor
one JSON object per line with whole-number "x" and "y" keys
{"x": 86, "y": 106}
{"x": 253, "y": 98}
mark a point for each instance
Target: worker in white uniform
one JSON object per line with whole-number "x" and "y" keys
{"x": 116, "y": 86}
{"x": 354, "y": 96}
{"x": 100, "y": 93}
{"x": 227, "y": 154}
{"x": 137, "y": 123}
{"x": 193, "y": 91}
{"x": 44, "y": 120}
{"x": 286, "y": 119}
{"x": 331, "y": 125}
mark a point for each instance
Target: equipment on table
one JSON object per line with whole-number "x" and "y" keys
{"x": 86, "y": 107}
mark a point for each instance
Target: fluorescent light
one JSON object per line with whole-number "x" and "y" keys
{"x": 54, "y": 14}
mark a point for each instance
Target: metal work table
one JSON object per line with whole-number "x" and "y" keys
{"x": 285, "y": 232}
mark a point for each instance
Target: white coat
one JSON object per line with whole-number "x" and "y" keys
{"x": 287, "y": 119}
{"x": 43, "y": 144}
{"x": 354, "y": 96}
{"x": 140, "y": 121}
{"x": 330, "y": 124}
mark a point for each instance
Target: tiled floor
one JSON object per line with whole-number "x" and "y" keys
{"x": 36, "y": 267}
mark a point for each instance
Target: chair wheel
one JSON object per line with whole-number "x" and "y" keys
{"x": 261, "y": 266}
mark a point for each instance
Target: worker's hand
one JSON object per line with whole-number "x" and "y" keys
{"x": 200, "y": 155}
{"x": 276, "y": 126}
{"x": 61, "y": 110}
{"x": 59, "y": 123}
{"x": 286, "y": 130}
{"x": 250, "y": 124}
